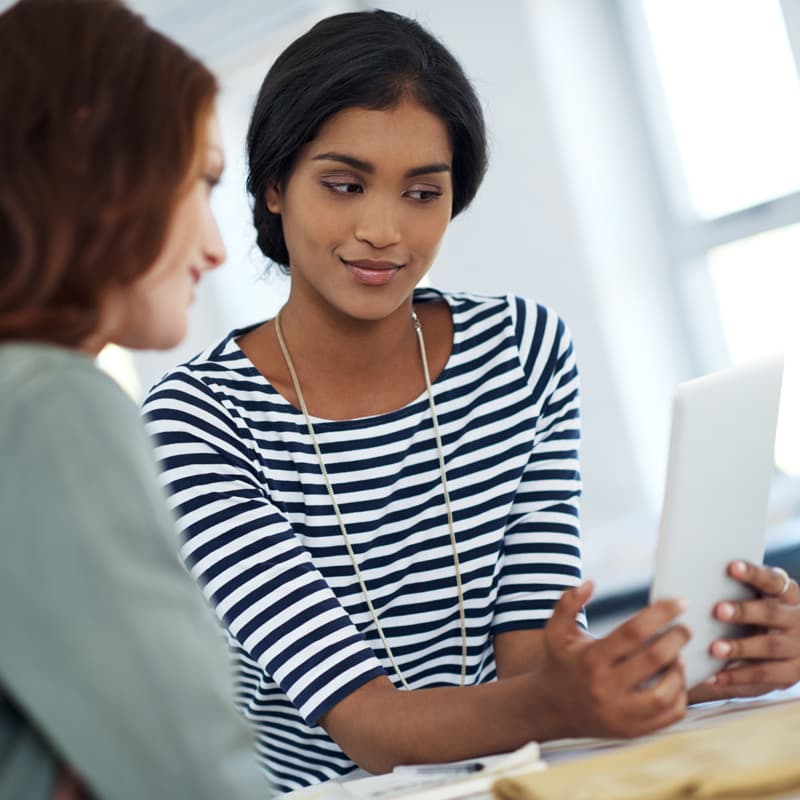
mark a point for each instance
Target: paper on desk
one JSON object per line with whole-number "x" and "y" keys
{"x": 406, "y": 782}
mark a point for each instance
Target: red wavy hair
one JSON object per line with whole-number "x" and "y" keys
{"x": 101, "y": 128}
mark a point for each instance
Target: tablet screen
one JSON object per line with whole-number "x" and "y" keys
{"x": 721, "y": 463}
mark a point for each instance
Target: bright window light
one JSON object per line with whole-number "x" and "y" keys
{"x": 733, "y": 96}
{"x": 757, "y": 282}
{"x": 118, "y": 363}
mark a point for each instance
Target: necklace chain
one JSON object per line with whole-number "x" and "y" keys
{"x": 338, "y": 513}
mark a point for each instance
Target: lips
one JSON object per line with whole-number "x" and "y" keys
{"x": 372, "y": 272}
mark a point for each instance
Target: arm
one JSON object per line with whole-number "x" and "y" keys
{"x": 581, "y": 687}
{"x": 110, "y": 648}
{"x": 241, "y": 548}
{"x": 542, "y": 544}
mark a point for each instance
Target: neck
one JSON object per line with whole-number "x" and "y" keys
{"x": 92, "y": 346}
{"x": 327, "y": 341}
{"x": 349, "y": 367}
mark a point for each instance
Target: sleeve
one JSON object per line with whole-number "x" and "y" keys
{"x": 107, "y": 643}
{"x": 541, "y": 544}
{"x": 241, "y": 548}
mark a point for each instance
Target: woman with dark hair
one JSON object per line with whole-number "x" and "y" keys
{"x": 113, "y": 674}
{"x": 378, "y": 488}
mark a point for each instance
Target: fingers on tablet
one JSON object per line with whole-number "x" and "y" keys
{"x": 766, "y": 580}
{"x": 658, "y": 658}
{"x": 752, "y": 678}
{"x": 742, "y": 570}
{"x": 643, "y": 628}
{"x": 768, "y": 612}
{"x": 663, "y": 700}
{"x": 768, "y": 646}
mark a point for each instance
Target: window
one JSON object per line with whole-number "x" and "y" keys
{"x": 720, "y": 98}
{"x": 732, "y": 97}
{"x": 119, "y": 364}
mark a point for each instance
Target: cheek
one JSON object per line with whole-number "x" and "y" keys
{"x": 158, "y": 308}
{"x": 168, "y": 287}
{"x": 189, "y": 220}
{"x": 316, "y": 230}
{"x": 428, "y": 234}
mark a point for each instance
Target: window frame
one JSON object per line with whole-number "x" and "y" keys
{"x": 687, "y": 237}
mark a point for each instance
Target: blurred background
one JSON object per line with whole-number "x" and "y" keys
{"x": 644, "y": 181}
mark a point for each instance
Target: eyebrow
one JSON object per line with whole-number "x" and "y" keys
{"x": 365, "y": 166}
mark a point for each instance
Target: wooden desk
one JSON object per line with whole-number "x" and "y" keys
{"x": 394, "y": 786}
{"x": 697, "y": 717}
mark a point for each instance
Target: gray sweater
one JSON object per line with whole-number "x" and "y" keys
{"x": 110, "y": 660}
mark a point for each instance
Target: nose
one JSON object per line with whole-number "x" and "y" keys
{"x": 379, "y": 223}
{"x": 214, "y": 252}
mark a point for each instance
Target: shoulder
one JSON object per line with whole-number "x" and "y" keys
{"x": 75, "y": 436}
{"x": 539, "y": 337}
{"x": 538, "y": 326}
{"x": 209, "y": 399}
{"x": 465, "y": 306}
{"x": 27, "y": 368}
{"x": 534, "y": 325}
{"x": 205, "y": 380}
{"x": 57, "y": 387}
{"x": 472, "y": 308}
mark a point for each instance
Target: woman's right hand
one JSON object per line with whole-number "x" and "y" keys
{"x": 554, "y": 682}
{"x": 628, "y": 683}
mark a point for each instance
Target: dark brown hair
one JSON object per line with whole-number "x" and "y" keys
{"x": 366, "y": 59}
{"x": 101, "y": 121}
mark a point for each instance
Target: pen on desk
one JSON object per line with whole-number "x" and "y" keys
{"x": 441, "y": 769}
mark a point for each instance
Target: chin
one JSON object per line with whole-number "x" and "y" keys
{"x": 154, "y": 339}
{"x": 373, "y": 308}
{"x": 168, "y": 342}
{"x": 169, "y": 338}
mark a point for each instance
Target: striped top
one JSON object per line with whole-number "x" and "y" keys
{"x": 261, "y": 537}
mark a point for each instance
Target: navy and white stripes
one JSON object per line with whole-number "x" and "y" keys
{"x": 261, "y": 537}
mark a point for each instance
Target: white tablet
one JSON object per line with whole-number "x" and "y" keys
{"x": 721, "y": 462}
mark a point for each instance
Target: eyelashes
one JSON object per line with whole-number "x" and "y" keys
{"x": 351, "y": 187}
{"x": 425, "y": 195}
{"x": 344, "y": 187}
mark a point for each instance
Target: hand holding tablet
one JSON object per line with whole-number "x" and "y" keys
{"x": 768, "y": 658}
{"x": 720, "y": 468}
{"x": 718, "y": 624}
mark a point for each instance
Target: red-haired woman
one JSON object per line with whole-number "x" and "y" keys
{"x": 111, "y": 666}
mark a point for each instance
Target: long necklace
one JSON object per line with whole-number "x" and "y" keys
{"x": 313, "y": 436}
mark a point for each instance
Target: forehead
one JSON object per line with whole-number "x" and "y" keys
{"x": 406, "y": 135}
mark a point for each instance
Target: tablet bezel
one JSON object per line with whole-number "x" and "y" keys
{"x": 722, "y": 448}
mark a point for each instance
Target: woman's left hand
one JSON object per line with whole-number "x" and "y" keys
{"x": 769, "y": 658}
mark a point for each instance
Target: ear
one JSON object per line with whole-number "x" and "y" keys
{"x": 273, "y": 198}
